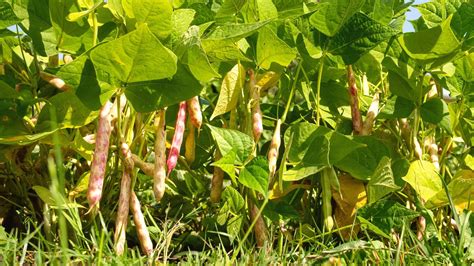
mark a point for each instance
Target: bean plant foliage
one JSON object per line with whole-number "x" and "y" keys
{"x": 286, "y": 125}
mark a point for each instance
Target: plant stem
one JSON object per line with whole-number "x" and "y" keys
{"x": 318, "y": 89}
{"x": 95, "y": 28}
{"x": 292, "y": 92}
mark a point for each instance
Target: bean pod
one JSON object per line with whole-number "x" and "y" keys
{"x": 354, "y": 101}
{"x": 217, "y": 181}
{"x": 194, "y": 110}
{"x": 99, "y": 162}
{"x": 371, "y": 114}
{"x": 274, "y": 149}
{"x": 257, "y": 117}
{"x": 139, "y": 219}
{"x": 177, "y": 137}
{"x": 124, "y": 201}
{"x": 190, "y": 145}
{"x": 159, "y": 174}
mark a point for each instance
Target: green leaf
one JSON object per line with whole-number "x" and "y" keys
{"x": 467, "y": 233}
{"x": 70, "y": 112}
{"x": 280, "y": 211}
{"x": 270, "y": 49}
{"x": 430, "y": 44}
{"x": 255, "y": 175}
{"x": 231, "y": 87}
{"x": 358, "y": 36}
{"x": 434, "y": 111}
{"x": 45, "y": 195}
{"x": 37, "y": 21}
{"x": 364, "y": 224}
{"x": 227, "y": 163}
{"x": 301, "y": 139}
{"x": 433, "y": 12}
{"x": 155, "y": 13}
{"x": 387, "y": 215}
{"x": 266, "y": 10}
{"x": 422, "y": 176}
{"x": 465, "y": 67}
{"x": 152, "y": 95}
{"x": 233, "y": 199}
{"x": 396, "y": 107}
{"x": 71, "y": 36}
{"x": 193, "y": 55}
{"x": 235, "y": 31}
{"x": 361, "y": 163}
{"x": 463, "y": 21}
{"x": 135, "y": 57}
{"x": 331, "y": 15}
{"x": 402, "y": 78}
{"x": 81, "y": 76}
{"x": 326, "y": 148}
{"x": 315, "y": 159}
{"x": 235, "y": 204}
{"x": 181, "y": 19}
{"x": 7, "y": 16}
{"x": 229, "y": 8}
{"x": 229, "y": 139}
{"x": 223, "y": 50}
{"x": 382, "y": 181}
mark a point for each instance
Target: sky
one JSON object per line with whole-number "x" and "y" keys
{"x": 412, "y": 14}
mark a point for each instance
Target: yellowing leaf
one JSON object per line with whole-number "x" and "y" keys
{"x": 231, "y": 86}
{"x": 271, "y": 49}
{"x": 422, "y": 176}
{"x": 276, "y": 193}
{"x": 268, "y": 80}
{"x": 352, "y": 196}
{"x": 461, "y": 190}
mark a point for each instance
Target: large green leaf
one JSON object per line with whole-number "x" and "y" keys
{"x": 155, "y": 13}
{"x": 402, "y": 79}
{"x": 430, "y": 44}
{"x": 326, "y": 148}
{"x": 463, "y": 21}
{"x": 387, "y": 215}
{"x": 270, "y": 49}
{"x": 301, "y": 139}
{"x": 436, "y": 111}
{"x": 358, "y": 36}
{"x": 422, "y": 176}
{"x": 135, "y": 57}
{"x": 231, "y": 88}
{"x": 382, "y": 181}
{"x": 152, "y": 95}
{"x": 81, "y": 76}
{"x": 255, "y": 175}
{"x": 7, "y": 16}
{"x": 434, "y": 11}
{"x": 361, "y": 163}
{"x": 331, "y": 15}
{"x": 229, "y": 139}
